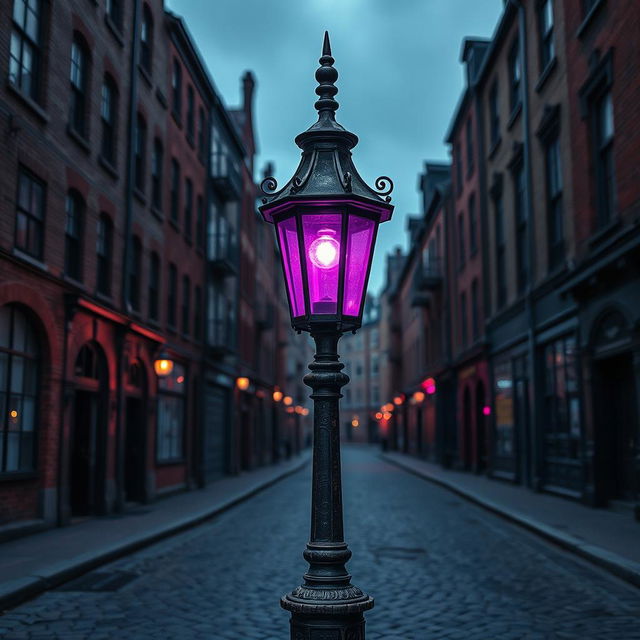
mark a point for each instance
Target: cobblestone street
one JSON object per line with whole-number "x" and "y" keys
{"x": 437, "y": 566}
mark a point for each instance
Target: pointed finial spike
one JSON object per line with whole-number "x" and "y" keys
{"x": 326, "y": 45}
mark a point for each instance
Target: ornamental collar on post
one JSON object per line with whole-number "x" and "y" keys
{"x": 326, "y": 168}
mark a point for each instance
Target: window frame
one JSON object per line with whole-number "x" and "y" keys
{"x": 546, "y": 43}
{"x": 34, "y": 91}
{"x": 104, "y": 254}
{"x": 33, "y": 223}
{"x": 514, "y": 62}
{"x": 109, "y": 139}
{"x": 78, "y": 108}
{"x": 73, "y": 238}
{"x": 146, "y": 39}
{"x": 157, "y": 166}
{"x": 176, "y": 90}
{"x": 153, "y": 294}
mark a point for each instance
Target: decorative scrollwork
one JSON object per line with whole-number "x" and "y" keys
{"x": 384, "y": 185}
{"x": 269, "y": 185}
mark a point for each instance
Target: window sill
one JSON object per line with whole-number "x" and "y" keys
{"x": 74, "y": 283}
{"x": 546, "y": 74}
{"x": 145, "y": 75}
{"x": 188, "y": 240}
{"x": 176, "y": 118}
{"x": 174, "y": 224}
{"x": 104, "y": 297}
{"x": 108, "y": 167}
{"x": 171, "y": 329}
{"x": 191, "y": 141}
{"x": 153, "y": 322}
{"x": 139, "y": 195}
{"x": 18, "y": 253}
{"x": 161, "y": 99}
{"x": 605, "y": 232}
{"x": 588, "y": 19}
{"x": 116, "y": 32}
{"x": 79, "y": 139}
{"x": 494, "y": 147}
{"x": 515, "y": 113}
{"x": 167, "y": 463}
{"x": 157, "y": 213}
{"x": 29, "y": 102}
{"x": 14, "y": 476}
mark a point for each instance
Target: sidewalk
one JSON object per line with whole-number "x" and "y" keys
{"x": 610, "y": 540}
{"x": 40, "y": 561}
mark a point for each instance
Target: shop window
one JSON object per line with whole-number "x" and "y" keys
{"x": 171, "y": 416}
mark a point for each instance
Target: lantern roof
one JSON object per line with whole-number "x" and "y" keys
{"x": 326, "y": 169}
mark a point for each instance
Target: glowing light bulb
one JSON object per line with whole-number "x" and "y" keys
{"x": 324, "y": 251}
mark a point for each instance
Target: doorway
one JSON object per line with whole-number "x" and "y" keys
{"x": 615, "y": 401}
{"x": 87, "y": 477}
{"x": 134, "y": 450}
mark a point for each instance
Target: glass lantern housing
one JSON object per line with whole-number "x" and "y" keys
{"x": 326, "y": 219}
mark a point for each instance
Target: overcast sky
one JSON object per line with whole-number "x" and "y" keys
{"x": 400, "y": 79}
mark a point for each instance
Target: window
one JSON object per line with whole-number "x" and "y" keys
{"x": 25, "y": 57}
{"x": 200, "y": 234}
{"x": 197, "y": 313}
{"x": 561, "y": 401}
{"x": 176, "y": 86}
{"x": 202, "y": 133}
{"x": 19, "y": 390}
{"x": 108, "y": 113}
{"x": 473, "y": 227}
{"x": 515, "y": 76}
{"x": 555, "y": 221}
{"x": 186, "y": 305}
{"x": 175, "y": 189}
{"x": 475, "y": 319}
{"x": 79, "y": 84}
{"x": 172, "y": 295}
{"x": 470, "y": 152}
{"x": 494, "y": 114}
{"x": 545, "y": 24}
{"x": 501, "y": 252}
{"x": 519, "y": 205}
{"x": 135, "y": 273}
{"x": 374, "y": 365}
{"x": 157, "y": 160}
{"x": 171, "y": 414}
{"x": 190, "y": 113}
{"x": 140, "y": 151}
{"x": 605, "y": 170}
{"x": 458, "y": 162}
{"x": 114, "y": 12}
{"x": 504, "y": 409}
{"x": 154, "y": 286}
{"x": 30, "y": 214}
{"x": 104, "y": 253}
{"x": 461, "y": 249}
{"x": 188, "y": 207}
{"x": 464, "y": 337}
{"x": 587, "y": 5}
{"x": 146, "y": 39}
{"x": 74, "y": 206}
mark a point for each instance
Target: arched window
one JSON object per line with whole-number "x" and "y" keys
{"x": 79, "y": 84}
{"x": 104, "y": 252}
{"x": 140, "y": 152}
{"x": 146, "y": 39}
{"x": 176, "y": 86}
{"x": 73, "y": 235}
{"x": 108, "y": 117}
{"x": 87, "y": 365}
{"x": 114, "y": 12}
{"x": 19, "y": 389}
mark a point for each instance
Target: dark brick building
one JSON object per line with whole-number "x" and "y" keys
{"x": 125, "y": 187}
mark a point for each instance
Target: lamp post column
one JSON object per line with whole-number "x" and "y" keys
{"x": 326, "y": 606}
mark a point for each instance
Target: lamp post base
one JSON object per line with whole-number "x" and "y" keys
{"x": 331, "y": 619}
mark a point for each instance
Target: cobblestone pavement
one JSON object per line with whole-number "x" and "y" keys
{"x": 438, "y": 567}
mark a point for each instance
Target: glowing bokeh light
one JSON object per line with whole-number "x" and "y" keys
{"x": 486, "y": 410}
{"x": 242, "y": 383}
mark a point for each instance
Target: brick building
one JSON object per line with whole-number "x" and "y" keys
{"x": 126, "y": 184}
{"x": 543, "y": 145}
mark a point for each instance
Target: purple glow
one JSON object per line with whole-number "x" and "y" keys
{"x": 292, "y": 267}
{"x": 486, "y": 410}
{"x": 359, "y": 246}
{"x": 322, "y": 255}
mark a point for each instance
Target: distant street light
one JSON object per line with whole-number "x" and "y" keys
{"x": 326, "y": 220}
{"x": 163, "y": 365}
{"x": 243, "y": 383}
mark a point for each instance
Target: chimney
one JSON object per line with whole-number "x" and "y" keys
{"x": 268, "y": 170}
{"x": 248, "y": 85}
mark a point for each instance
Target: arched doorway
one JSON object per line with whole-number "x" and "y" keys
{"x": 20, "y": 367}
{"x": 614, "y": 402}
{"x": 135, "y": 433}
{"x": 481, "y": 432}
{"x": 466, "y": 425}
{"x": 87, "y": 462}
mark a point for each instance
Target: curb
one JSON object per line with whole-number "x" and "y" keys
{"x": 627, "y": 570}
{"x": 18, "y": 591}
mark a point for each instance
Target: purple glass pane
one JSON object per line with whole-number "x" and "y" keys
{"x": 322, "y": 256}
{"x": 288, "y": 238}
{"x": 359, "y": 249}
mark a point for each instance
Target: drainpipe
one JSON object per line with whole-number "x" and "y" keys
{"x": 126, "y": 257}
{"x": 534, "y": 478}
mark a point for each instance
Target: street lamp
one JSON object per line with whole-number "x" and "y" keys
{"x": 326, "y": 219}
{"x": 163, "y": 365}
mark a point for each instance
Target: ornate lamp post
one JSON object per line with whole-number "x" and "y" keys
{"x": 326, "y": 220}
